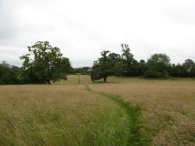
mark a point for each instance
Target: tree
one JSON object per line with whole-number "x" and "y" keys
{"x": 116, "y": 64}
{"x": 102, "y": 67}
{"x": 7, "y": 74}
{"x": 142, "y": 67}
{"x": 158, "y": 66}
{"x": 129, "y": 63}
{"x": 189, "y": 67}
{"x": 44, "y": 64}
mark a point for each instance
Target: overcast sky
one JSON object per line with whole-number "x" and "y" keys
{"x": 83, "y": 28}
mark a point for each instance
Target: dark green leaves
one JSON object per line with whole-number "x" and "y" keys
{"x": 44, "y": 64}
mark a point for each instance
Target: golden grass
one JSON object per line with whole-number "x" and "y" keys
{"x": 168, "y": 106}
{"x": 67, "y": 114}
{"x": 58, "y": 115}
{"x": 74, "y": 80}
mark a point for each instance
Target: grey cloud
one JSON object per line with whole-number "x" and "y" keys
{"x": 6, "y": 21}
{"x": 83, "y": 29}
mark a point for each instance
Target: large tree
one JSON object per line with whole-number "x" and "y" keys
{"x": 158, "y": 66}
{"x": 44, "y": 64}
{"x": 108, "y": 64}
{"x": 102, "y": 67}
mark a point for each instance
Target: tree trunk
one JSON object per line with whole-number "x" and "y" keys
{"x": 105, "y": 79}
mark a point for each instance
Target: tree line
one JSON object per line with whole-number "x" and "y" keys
{"x": 44, "y": 64}
{"x": 124, "y": 64}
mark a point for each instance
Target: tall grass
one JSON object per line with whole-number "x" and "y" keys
{"x": 73, "y": 114}
{"x": 55, "y": 115}
{"x": 168, "y": 106}
{"x": 137, "y": 135}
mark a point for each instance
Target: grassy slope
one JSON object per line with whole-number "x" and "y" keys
{"x": 35, "y": 115}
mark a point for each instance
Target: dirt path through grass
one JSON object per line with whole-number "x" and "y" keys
{"x": 137, "y": 135}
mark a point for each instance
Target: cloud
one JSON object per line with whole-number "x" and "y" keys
{"x": 7, "y": 26}
{"x": 181, "y": 12}
{"x": 82, "y": 29}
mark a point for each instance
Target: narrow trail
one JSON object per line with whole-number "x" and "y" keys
{"x": 137, "y": 135}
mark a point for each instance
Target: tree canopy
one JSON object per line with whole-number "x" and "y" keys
{"x": 114, "y": 64}
{"x": 44, "y": 64}
{"x": 8, "y": 74}
{"x": 124, "y": 64}
{"x": 158, "y": 66}
{"x": 102, "y": 67}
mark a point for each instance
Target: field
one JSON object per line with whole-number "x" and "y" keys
{"x": 125, "y": 111}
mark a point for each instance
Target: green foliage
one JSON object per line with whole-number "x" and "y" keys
{"x": 44, "y": 64}
{"x": 114, "y": 64}
{"x": 141, "y": 68}
{"x": 177, "y": 71}
{"x": 158, "y": 66}
{"x": 137, "y": 134}
{"x": 155, "y": 74}
{"x": 8, "y": 74}
{"x": 129, "y": 63}
{"x": 189, "y": 67}
{"x": 102, "y": 67}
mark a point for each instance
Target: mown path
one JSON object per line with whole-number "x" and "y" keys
{"x": 137, "y": 134}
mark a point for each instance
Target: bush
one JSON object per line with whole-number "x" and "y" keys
{"x": 7, "y": 75}
{"x": 155, "y": 74}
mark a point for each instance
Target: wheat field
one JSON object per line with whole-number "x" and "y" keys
{"x": 71, "y": 114}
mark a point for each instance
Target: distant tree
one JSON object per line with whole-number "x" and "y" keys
{"x": 4, "y": 63}
{"x": 81, "y": 70}
{"x": 158, "y": 66}
{"x": 177, "y": 71}
{"x": 129, "y": 63}
{"x": 102, "y": 67}
{"x": 44, "y": 64}
{"x": 112, "y": 64}
{"x": 189, "y": 63}
{"x": 192, "y": 73}
{"x": 142, "y": 67}
{"x": 173, "y": 71}
{"x": 189, "y": 67}
{"x": 7, "y": 74}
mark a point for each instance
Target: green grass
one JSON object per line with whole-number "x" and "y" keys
{"x": 137, "y": 135}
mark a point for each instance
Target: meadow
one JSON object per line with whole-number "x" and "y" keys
{"x": 124, "y": 111}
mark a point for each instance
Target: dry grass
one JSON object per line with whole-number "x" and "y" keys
{"x": 168, "y": 106}
{"x": 74, "y": 80}
{"x": 68, "y": 114}
{"x": 59, "y": 115}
